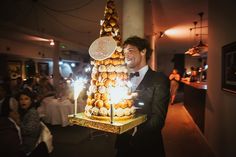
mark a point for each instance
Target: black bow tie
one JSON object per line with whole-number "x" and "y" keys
{"x": 134, "y": 74}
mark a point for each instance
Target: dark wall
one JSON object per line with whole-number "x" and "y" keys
{"x": 30, "y": 68}
{"x": 3, "y": 65}
{"x": 179, "y": 62}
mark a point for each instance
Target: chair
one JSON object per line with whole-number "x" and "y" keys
{"x": 40, "y": 150}
{"x": 45, "y": 137}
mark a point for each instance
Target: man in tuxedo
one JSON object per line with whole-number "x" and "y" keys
{"x": 10, "y": 135}
{"x": 153, "y": 97}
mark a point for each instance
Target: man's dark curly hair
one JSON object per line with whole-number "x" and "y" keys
{"x": 140, "y": 43}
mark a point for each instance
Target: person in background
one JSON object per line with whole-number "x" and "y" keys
{"x": 17, "y": 87}
{"x": 174, "y": 84}
{"x": 29, "y": 121}
{"x": 185, "y": 74}
{"x": 194, "y": 75}
{"x": 64, "y": 90}
{"x": 10, "y": 134}
{"x": 2, "y": 96}
{"x": 4, "y": 93}
{"x": 46, "y": 89}
{"x": 145, "y": 139}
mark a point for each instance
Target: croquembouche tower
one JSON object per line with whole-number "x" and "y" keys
{"x": 109, "y": 93}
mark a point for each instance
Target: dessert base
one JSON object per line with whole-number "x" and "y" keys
{"x": 103, "y": 118}
{"x": 117, "y": 127}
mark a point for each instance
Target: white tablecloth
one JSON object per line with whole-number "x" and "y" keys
{"x": 56, "y": 111}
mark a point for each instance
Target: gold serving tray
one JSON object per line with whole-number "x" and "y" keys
{"x": 117, "y": 127}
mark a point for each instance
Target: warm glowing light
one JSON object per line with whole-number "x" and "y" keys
{"x": 118, "y": 93}
{"x": 196, "y": 51}
{"x": 178, "y": 32}
{"x": 101, "y": 22}
{"x": 37, "y": 38}
{"x": 171, "y": 32}
{"x": 68, "y": 81}
{"x": 196, "y": 55}
{"x": 52, "y": 42}
{"x": 189, "y": 72}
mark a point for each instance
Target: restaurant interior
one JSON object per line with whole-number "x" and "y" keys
{"x": 51, "y": 39}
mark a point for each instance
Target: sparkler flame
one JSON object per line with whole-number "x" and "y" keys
{"x": 118, "y": 93}
{"x": 78, "y": 87}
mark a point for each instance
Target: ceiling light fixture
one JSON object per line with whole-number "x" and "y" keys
{"x": 201, "y": 48}
{"x": 161, "y": 34}
{"x": 52, "y": 42}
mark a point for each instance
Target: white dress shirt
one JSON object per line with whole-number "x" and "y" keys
{"x": 136, "y": 80}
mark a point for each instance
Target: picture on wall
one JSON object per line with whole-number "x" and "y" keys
{"x": 43, "y": 68}
{"x": 14, "y": 69}
{"x": 229, "y": 67}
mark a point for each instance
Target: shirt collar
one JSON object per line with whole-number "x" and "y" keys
{"x": 143, "y": 70}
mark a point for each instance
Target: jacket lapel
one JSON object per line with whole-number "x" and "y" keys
{"x": 145, "y": 80}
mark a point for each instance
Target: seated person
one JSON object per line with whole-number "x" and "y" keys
{"x": 45, "y": 89}
{"x": 29, "y": 121}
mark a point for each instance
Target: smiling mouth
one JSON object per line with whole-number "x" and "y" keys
{"x": 128, "y": 61}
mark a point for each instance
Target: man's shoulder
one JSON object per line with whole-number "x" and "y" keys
{"x": 5, "y": 123}
{"x": 158, "y": 74}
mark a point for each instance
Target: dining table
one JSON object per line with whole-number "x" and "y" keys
{"x": 55, "y": 111}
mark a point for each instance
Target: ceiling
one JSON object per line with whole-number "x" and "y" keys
{"x": 77, "y": 22}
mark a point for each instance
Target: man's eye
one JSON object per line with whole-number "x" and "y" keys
{"x": 128, "y": 51}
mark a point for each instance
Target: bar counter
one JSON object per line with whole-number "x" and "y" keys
{"x": 198, "y": 85}
{"x": 194, "y": 101}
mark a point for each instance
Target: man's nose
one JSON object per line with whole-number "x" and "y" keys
{"x": 127, "y": 54}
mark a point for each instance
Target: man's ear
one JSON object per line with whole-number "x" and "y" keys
{"x": 143, "y": 52}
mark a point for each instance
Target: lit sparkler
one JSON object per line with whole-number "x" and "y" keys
{"x": 117, "y": 94}
{"x": 78, "y": 87}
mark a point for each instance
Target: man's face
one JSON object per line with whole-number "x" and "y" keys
{"x": 132, "y": 56}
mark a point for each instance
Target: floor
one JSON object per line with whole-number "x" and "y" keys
{"x": 182, "y": 138}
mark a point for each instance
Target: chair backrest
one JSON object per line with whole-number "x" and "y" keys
{"x": 46, "y": 137}
{"x": 41, "y": 150}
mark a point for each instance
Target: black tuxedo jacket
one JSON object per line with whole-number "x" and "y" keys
{"x": 154, "y": 93}
{"x": 10, "y": 141}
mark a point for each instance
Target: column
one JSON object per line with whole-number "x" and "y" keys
{"x": 56, "y": 72}
{"x": 152, "y": 61}
{"x": 133, "y": 24}
{"x": 133, "y": 18}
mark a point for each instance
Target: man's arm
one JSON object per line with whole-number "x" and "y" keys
{"x": 159, "y": 104}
